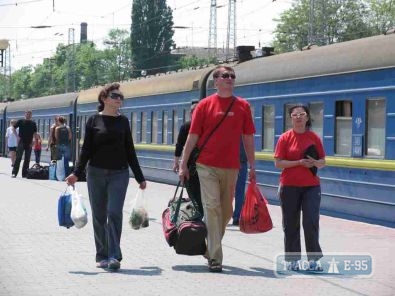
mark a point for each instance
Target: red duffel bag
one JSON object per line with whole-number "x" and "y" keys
{"x": 255, "y": 217}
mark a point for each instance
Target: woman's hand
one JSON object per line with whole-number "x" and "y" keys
{"x": 71, "y": 179}
{"x": 143, "y": 185}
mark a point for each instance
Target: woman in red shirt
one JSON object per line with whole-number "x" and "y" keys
{"x": 299, "y": 152}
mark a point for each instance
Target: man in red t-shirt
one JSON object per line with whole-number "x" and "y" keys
{"x": 218, "y": 163}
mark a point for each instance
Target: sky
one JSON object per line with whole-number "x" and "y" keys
{"x": 254, "y": 23}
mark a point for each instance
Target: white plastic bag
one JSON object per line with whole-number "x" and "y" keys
{"x": 60, "y": 171}
{"x": 139, "y": 213}
{"x": 78, "y": 214}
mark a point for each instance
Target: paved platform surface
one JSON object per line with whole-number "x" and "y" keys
{"x": 37, "y": 257}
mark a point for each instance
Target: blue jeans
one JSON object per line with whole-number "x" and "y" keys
{"x": 107, "y": 191}
{"x": 240, "y": 190}
{"x": 64, "y": 151}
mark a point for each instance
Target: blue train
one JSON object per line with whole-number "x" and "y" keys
{"x": 349, "y": 86}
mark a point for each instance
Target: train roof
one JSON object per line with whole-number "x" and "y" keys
{"x": 54, "y": 101}
{"x": 356, "y": 55}
{"x": 181, "y": 81}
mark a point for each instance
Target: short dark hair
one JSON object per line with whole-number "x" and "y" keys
{"x": 217, "y": 70}
{"x": 104, "y": 94}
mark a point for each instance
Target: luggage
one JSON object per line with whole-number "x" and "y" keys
{"x": 38, "y": 172}
{"x": 64, "y": 210}
{"x": 183, "y": 227}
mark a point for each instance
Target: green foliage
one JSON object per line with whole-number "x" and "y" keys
{"x": 151, "y": 36}
{"x": 194, "y": 61}
{"x": 331, "y": 21}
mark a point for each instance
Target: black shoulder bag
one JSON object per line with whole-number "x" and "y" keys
{"x": 196, "y": 150}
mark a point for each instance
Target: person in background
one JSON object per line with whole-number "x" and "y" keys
{"x": 37, "y": 148}
{"x": 27, "y": 131}
{"x": 51, "y": 139}
{"x": 63, "y": 140}
{"x": 192, "y": 184}
{"x": 240, "y": 185}
{"x": 11, "y": 140}
{"x": 298, "y": 153}
{"x": 108, "y": 152}
{"x": 218, "y": 162}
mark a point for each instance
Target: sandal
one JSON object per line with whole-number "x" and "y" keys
{"x": 214, "y": 266}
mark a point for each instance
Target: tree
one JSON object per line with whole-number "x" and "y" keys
{"x": 330, "y": 21}
{"x": 151, "y": 36}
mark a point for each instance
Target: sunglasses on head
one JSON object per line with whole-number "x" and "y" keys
{"x": 227, "y": 75}
{"x": 115, "y": 96}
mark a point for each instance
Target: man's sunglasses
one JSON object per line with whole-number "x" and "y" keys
{"x": 227, "y": 75}
{"x": 115, "y": 96}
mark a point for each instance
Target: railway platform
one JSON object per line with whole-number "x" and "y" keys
{"x": 38, "y": 257}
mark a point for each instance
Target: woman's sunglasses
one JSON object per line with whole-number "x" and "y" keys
{"x": 227, "y": 75}
{"x": 115, "y": 96}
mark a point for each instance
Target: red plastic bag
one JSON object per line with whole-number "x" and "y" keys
{"x": 255, "y": 217}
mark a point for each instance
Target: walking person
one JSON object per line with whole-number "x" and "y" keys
{"x": 52, "y": 141}
{"x": 108, "y": 152}
{"x": 27, "y": 130}
{"x": 299, "y": 152}
{"x": 192, "y": 185}
{"x": 63, "y": 140}
{"x": 37, "y": 148}
{"x": 11, "y": 140}
{"x": 218, "y": 162}
{"x": 240, "y": 186}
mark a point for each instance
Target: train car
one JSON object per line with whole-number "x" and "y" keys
{"x": 156, "y": 107}
{"x": 44, "y": 111}
{"x": 350, "y": 89}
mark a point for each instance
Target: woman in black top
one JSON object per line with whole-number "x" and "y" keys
{"x": 107, "y": 154}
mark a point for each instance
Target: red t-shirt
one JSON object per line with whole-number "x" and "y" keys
{"x": 291, "y": 146}
{"x": 222, "y": 149}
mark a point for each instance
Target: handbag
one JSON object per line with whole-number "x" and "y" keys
{"x": 38, "y": 172}
{"x": 191, "y": 164}
{"x": 255, "y": 217}
{"x": 64, "y": 209}
{"x": 183, "y": 227}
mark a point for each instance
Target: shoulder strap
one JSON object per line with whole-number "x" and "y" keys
{"x": 218, "y": 124}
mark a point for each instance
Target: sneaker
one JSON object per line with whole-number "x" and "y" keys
{"x": 293, "y": 265}
{"x": 102, "y": 264}
{"x": 214, "y": 266}
{"x": 113, "y": 264}
{"x": 13, "y": 176}
{"x": 315, "y": 265}
{"x": 235, "y": 222}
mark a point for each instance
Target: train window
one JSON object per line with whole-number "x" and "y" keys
{"x": 317, "y": 118}
{"x": 38, "y": 125}
{"x": 154, "y": 127}
{"x": 343, "y": 127}
{"x": 134, "y": 125}
{"x": 175, "y": 127}
{"x": 268, "y": 128}
{"x": 288, "y": 121}
{"x": 164, "y": 127}
{"x": 143, "y": 127}
{"x": 375, "y": 127}
{"x": 187, "y": 114}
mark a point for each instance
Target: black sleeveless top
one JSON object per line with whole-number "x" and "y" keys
{"x": 63, "y": 136}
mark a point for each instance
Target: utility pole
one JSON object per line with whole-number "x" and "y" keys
{"x": 71, "y": 61}
{"x": 231, "y": 31}
{"x": 212, "y": 36}
{"x": 311, "y": 37}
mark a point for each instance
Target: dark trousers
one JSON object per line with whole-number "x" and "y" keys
{"x": 240, "y": 190}
{"x": 22, "y": 148}
{"x": 193, "y": 188}
{"x": 107, "y": 191}
{"x": 37, "y": 154}
{"x": 293, "y": 200}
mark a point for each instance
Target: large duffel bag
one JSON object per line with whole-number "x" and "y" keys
{"x": 191, "y": 238}
{"x": 38, "y": 172}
